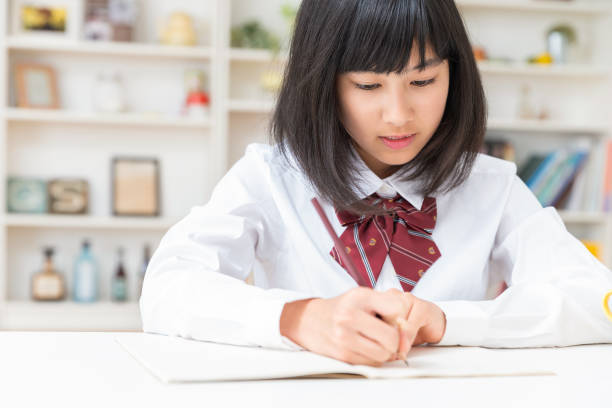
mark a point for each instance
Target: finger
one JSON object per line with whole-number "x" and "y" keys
{"x": 370, "y": 349}
{"x": 404, "y": 330}
{"x": 378, "y": 331}
{"x": 411, "y": 328}
{"x": 354, "y": 357}
{"x": 389, "y": 305}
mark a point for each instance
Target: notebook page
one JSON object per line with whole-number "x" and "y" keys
{"x": 173, "y": 359}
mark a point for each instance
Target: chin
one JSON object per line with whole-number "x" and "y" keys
{"x": 397, "y": 159}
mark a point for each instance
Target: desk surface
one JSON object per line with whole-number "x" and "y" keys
{"x": 91, "y": 369}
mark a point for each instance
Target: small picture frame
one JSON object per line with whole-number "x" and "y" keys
{"x": 36, "y": 87}
{"x": 26, "y": 195}
{"x": 46, "y": 19}
{"x": 68, "y": 196}
{"x": 135, "y": 187}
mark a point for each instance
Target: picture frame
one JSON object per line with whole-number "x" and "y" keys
{"x": 26, "y": 195}
{"x": 68, "y": 196}
{"x": 36, "y": 86}
{"x": 135, "y": 187}
{"x": 71, "y": 10}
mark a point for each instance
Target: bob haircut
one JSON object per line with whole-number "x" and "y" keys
{"x": 338, "y": 36}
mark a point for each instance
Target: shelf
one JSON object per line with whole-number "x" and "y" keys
{"x": 118, "y": 49}
{"x": 251, "y": 106}
{"x": 66, "y": 315}
{"x": 255, "y": 55}
{"x": 570, "y": 8}
{"x": 577, "y": 217}
{"x": 544, "y": 126}
{"x": 554, "y": 71}
{"x": 87, "y": 222}
{"x": 486, "y": 67}
{"x": 123, "y": 119}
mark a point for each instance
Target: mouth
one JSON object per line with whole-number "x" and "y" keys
{"x": 396, "y": 142}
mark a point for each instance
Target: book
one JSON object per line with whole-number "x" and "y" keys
{"x": 501, "y": 149}
{"x": 178, "y": 360}
{"x": 574, "y": 199}
{"x": 561, "y": 177}
{"x": 594, "y": 191}
{"x": 530, "y": 166}
{"x": 538, "y": 177}
{"x": 607, "y": 187}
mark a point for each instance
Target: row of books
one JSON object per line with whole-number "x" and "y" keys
{"x": 557, "y": 178}
{"x": 551, "y": 176}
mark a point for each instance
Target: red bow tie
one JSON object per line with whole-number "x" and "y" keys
{"x": 404, "y": 233}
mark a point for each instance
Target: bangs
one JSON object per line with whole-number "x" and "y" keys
{"x": 386, "y": 31}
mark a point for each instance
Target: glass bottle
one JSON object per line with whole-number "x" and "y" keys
{"x": 143, "y": 268}
{"x": 85, "y": 276}
{"x": 48, "y": 284}
{"x": 119, "y": 280}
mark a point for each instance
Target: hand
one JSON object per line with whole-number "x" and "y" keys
{"x": 346, "y": 327}
{"x": 424, "y": 323}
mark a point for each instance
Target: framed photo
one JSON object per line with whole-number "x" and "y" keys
{"x": 26, "y": 195}
{"x": 36, "y": 87}
{"x": 135, "y": 186}
{"x": 68, "y": 196}
{"x": 49, "y": 19}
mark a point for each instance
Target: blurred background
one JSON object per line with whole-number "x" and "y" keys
{"x": 118, "y": 116}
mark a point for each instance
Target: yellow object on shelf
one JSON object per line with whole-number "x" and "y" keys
{"x": 542, "y": 59}
{"x": 179, "y": 30}
{"x": 606, "y": 305}
{"x": 593, "y": 247}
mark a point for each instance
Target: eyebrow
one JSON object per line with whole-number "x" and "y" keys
{"x": 431, "y": 62}
{"x": 428, "y": 63}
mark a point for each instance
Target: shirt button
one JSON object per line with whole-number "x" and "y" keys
{"x": 386, "y": 191}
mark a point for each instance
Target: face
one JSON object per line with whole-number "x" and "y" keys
{"x": 391, "y": 117}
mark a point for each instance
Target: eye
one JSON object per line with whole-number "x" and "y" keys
{"x": 367, "y": 87}
{"x": 421, "y": 84}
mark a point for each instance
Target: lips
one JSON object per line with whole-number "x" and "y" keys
{"x": 397, "y": 142}
{"x": 399, "y": 136}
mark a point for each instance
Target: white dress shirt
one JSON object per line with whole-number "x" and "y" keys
{"x": 488, "y": 230}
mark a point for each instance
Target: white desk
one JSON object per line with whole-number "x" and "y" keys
{"x": 92, "y": 370}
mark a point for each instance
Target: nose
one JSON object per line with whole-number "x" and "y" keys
{"x": 398, "y": 110}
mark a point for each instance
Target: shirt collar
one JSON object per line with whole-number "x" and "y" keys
{"x": 370, "y": 183}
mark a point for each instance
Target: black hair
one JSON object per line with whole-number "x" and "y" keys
{"x": 336, "y": 36}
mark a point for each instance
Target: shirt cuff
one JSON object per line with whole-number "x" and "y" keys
{"x": 465, "y": 323}
{"x": 263, "y": 327}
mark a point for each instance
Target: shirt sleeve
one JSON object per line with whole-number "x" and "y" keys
{"x": 195, "y": 284}
{"x": 556, "y": 286}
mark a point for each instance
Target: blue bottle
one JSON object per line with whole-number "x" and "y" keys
{"x": 85, "y": 276}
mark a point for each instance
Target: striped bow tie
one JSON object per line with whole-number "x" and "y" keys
{"x": 404, "y": 233}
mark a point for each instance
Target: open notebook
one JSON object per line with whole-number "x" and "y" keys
{"x": 173, "y": 359}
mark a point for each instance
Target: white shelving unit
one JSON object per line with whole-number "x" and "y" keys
{"x": 32, "y": 142}
{"x": 24, "y": 315}
{"x": 199, "y": 152}
{"x": 584, "y": 72}
{"x": 134, "y": 50}
{"x": 88, "y": 222}
{"x": 536, "y": 6}
{"x": 21, "y": 115}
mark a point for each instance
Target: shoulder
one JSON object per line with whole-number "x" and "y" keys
{"x": 489, "y": 177}
{"x": 266, "y": 156}
{"x": 486, "y": 165}
{"x": 259, "y": 169}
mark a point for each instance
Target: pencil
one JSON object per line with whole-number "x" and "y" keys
{"x": 350, "y": 266}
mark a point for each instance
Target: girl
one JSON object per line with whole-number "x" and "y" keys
{"x": 380, "y": 117}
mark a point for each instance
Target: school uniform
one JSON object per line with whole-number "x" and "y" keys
{"x": 488, "y": 230}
